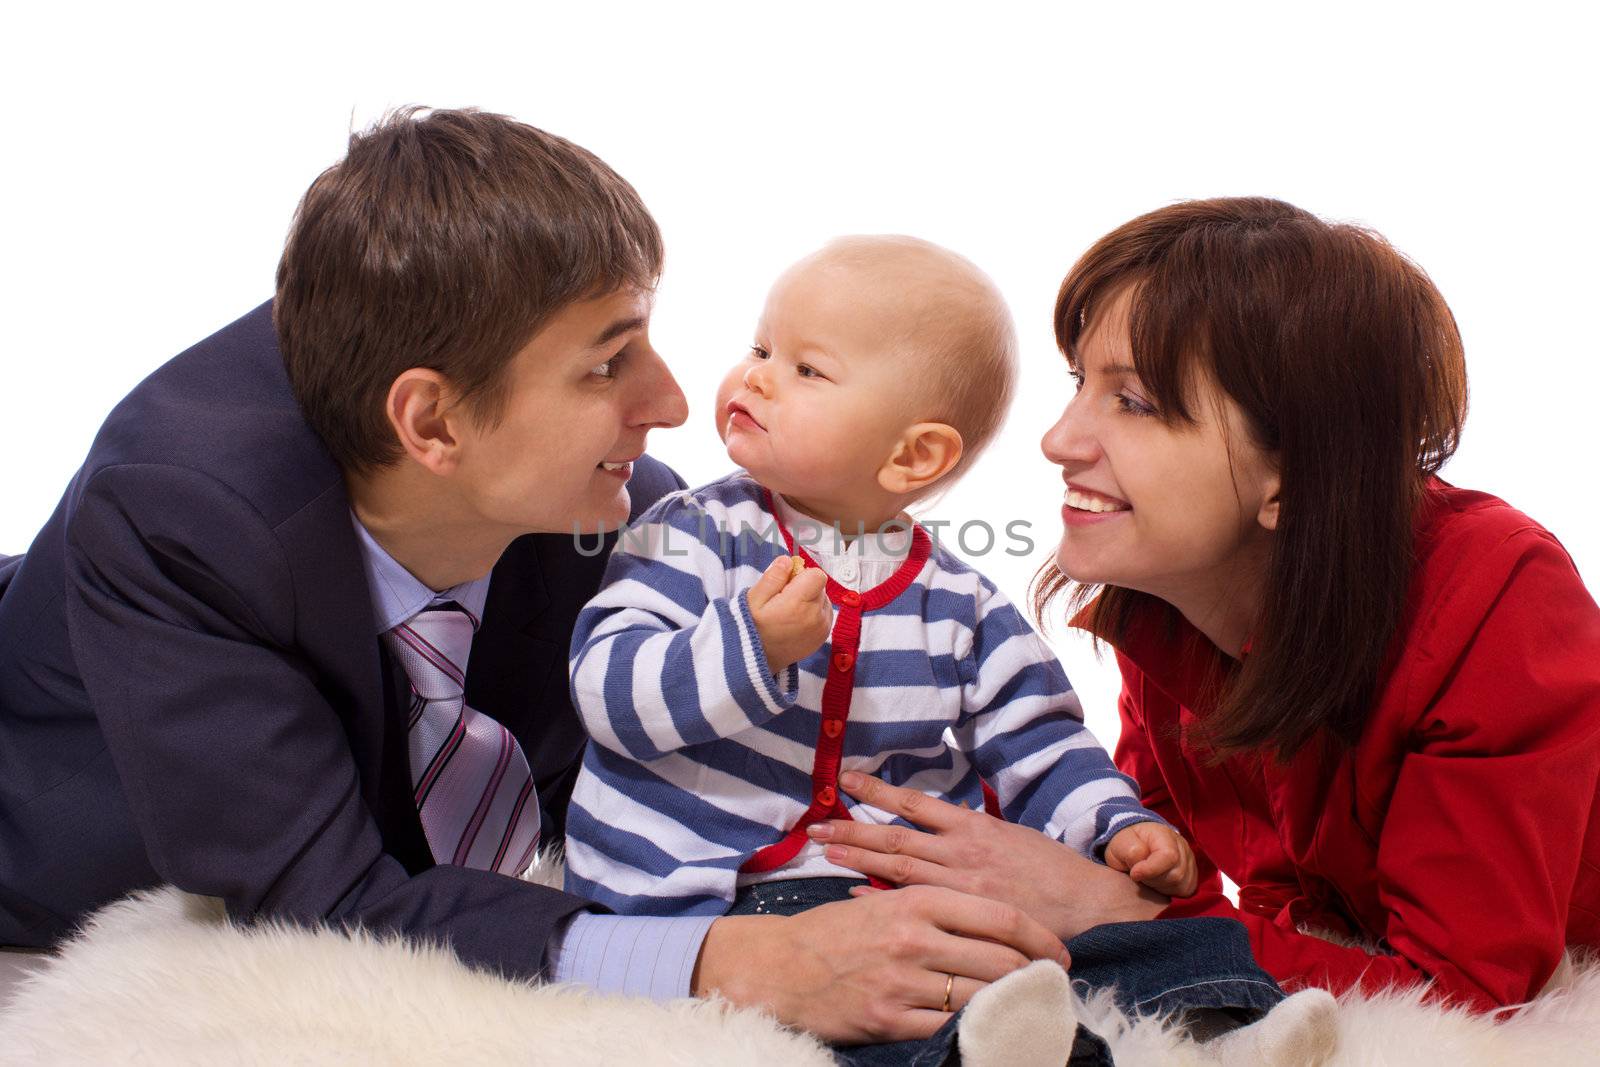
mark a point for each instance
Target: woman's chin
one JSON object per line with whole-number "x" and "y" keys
{"x": 1079, "y": 569}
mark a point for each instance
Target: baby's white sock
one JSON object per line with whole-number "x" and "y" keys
{"x": 1300, "y": 1032}
{"x": 1024, "y": 1019}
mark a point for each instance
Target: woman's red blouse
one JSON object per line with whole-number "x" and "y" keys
{"x": 1461, "y": 835}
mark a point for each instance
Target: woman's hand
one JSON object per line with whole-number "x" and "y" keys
{"x": 878, "y": 969}
{"x": 980, "y": 855}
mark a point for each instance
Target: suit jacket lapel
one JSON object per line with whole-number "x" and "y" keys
{"x": 337, "y": 633}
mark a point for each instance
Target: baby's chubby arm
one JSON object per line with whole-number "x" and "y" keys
{"x": 668, "y": 654}
{"x": 1022, "y": 727}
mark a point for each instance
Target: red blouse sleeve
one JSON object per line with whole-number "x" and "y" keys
{"x": 1135, "y": 758}
{"x": 1485, "y": 831}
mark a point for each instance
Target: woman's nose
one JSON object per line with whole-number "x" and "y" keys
{"x": 1071, "y": 441}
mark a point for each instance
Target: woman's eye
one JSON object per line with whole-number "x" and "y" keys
{"x": 1133, "y": 405}
{"x": 1077, "y": 378}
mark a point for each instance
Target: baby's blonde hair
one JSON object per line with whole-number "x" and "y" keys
{"x": 953, "y": 317}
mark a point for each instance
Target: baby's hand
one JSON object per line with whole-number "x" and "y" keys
{"x": 1156, "y": 856}
{"x": 791, "y": 611}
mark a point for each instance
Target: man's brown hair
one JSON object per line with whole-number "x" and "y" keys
{"x": 1349, "y": 369}
{"x": 444, "y": 239}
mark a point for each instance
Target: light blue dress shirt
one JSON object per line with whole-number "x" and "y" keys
{"x": 637, "y": 955}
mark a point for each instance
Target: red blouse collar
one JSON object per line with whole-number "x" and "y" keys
{"x": 1179, "y": 659}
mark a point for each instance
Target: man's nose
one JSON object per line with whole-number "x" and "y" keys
{"x": 660, "y": 401}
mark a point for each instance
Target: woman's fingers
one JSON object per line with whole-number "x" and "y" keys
{"x": 900, "y": 869}
{"x": 929, "y": 812}
{"x": 888, "y": 839}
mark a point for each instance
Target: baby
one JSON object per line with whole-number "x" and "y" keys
{"x": 755, "y": 637}
{"x": 721, "y": 712}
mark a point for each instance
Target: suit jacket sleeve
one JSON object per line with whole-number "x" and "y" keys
{"x": 235, "y": 765}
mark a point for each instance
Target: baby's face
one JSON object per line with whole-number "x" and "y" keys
{"x": 819, "y": 401}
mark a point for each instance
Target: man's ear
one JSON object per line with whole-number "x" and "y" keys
{"x": 925, "y": 453}
{"x": 421, "y": 408}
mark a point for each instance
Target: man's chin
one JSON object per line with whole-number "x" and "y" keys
{"x": 604, "y": 516}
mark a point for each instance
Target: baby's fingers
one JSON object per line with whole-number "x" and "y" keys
{"x": 807, "y": 585}
{"x": 1161, "y": 861}
{"x": 1126, "y": 850}
{"x": 771, "y": 582}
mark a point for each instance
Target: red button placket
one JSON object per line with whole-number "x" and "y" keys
{"x": 837, "y": 691}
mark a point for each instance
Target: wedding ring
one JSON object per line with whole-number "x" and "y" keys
{"x": 949, "y": 984}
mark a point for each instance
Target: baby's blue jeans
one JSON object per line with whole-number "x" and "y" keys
{"x": 1163, "y": 967}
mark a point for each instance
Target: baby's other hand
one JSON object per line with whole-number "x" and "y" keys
{"x": 1156, "y": 856}
{"x": 791, "y": 611}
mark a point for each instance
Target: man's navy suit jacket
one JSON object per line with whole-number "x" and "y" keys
{"x": 192, "y": 689}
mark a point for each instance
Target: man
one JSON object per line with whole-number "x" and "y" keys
{"x": 232, "y": 660}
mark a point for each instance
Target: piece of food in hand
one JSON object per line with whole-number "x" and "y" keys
{"x": 796, "y": 565}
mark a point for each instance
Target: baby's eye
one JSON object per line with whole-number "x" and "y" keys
{"x": 806, "y": 370}
{"x": 758, "y": 352}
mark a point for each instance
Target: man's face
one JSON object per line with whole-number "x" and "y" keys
{"x": 581, "y": 397}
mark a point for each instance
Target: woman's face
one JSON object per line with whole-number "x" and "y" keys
{"x": 1180, "y": 511}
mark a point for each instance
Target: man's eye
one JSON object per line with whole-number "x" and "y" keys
{"x": 609, "y": 368}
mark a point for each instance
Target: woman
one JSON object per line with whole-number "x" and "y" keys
{"x": 1368, "y": 697}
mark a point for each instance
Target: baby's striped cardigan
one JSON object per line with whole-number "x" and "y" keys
{"x": 700, "y": 757}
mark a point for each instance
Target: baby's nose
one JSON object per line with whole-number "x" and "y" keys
{"x": 755, "y": 378}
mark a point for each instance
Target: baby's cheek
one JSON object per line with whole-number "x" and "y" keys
{"x": 719, "y": 412}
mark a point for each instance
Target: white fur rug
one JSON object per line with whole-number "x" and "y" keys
{"x": 162, "y": 978}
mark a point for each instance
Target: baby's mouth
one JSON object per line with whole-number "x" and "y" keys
{"x": 739, "y": 416}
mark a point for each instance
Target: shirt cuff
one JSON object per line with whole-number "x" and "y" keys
{"x": 638, "y": 955}
{"x": 1120, "y": 822}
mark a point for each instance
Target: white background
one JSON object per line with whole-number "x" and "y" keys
{"x": 153, "y": 156}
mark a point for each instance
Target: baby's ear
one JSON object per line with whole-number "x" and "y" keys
{"x": 925, "y": 453}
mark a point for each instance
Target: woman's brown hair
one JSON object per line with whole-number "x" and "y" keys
{"x": 1349, "y": 368}
{"x": 444, "y": 239}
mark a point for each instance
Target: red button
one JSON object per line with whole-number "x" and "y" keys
{"x": 849, "y": 598}
{"x": 826, "y": 796}
{"x": 844, "y": 661}
{"x": 832, "y": 727}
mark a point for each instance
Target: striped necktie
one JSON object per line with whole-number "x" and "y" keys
{"x": 468, "y": 775}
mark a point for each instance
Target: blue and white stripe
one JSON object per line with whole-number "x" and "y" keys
{"x": 700, "y": 756}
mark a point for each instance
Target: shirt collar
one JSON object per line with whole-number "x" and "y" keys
{"x": 1177, "y": 658}
{"x": 890, "y": 546}
{"x": 397, "y": 594}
